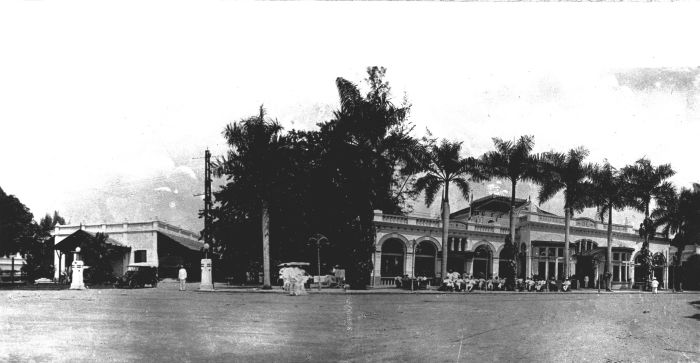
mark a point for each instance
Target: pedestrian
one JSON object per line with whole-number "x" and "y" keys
{"x": 585, "y": 282}
{"x": 182, "y": 276}
{"x": 654, "y": 286}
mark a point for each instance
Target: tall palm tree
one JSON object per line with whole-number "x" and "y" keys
{"x": 253, "y": 165}
{"x": 444, "y": 166}
{"x": 609, "y": 190}
{"x": 679, "y": 215}
{"x": 647, "y": 183}
{"x": 512, "y": 160}
{"x": 567, "y": 173}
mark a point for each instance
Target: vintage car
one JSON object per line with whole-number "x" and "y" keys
{"x": 138, "y": 276}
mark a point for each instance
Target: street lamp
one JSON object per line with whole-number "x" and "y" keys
{"x": 317, "y": 240}
{"x": 206, "y": 249}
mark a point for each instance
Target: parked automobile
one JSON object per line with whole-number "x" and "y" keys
{"x": 139, "y": 276}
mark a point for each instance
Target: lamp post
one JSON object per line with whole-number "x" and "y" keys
{"x": 317, "y": 240}
{"x": 77, "y": 267}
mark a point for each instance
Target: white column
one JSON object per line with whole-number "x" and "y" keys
{"x": 57, "y": 265}
{"x": 377, "y": 268}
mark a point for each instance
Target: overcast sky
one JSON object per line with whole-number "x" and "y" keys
{"x": 104, "y": 105}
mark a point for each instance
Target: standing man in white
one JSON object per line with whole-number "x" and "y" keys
{"x": 182, "y": 276}
{"x": 654, "y": 286}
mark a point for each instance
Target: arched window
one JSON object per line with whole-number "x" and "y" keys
{"x": 425, "y": 259}
{"x": 392, "y": 258}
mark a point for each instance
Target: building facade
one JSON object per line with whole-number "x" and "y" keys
{"x": 408, "y": 245}
{"x": 153, "y": 243}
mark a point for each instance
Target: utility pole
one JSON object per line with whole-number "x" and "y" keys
{"x": 207, "y": 197}
{"x": 206, "y": 280}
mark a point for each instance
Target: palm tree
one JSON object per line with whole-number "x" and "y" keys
{"x": 512, "y": 160}
{"x": 647, "y": 183}
{"x": 679, "y": 215}
{"x": 443, "y": 166}
{"x": 253, "y": 165}
{"x": 567, "y": 173}
{"x": 609, "y": 193}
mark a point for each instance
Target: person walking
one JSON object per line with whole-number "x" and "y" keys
{"x": 182, "y": 276}
{"x": 654, "y": 286}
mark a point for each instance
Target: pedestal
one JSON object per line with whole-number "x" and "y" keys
{"x": 77, "y": 276}
{"x": 206, "y": 282}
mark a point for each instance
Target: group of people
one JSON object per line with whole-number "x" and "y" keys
{"x": 464, "y": 282}
{"x": 293, "y": 279}
{"x": 539, "y": 284}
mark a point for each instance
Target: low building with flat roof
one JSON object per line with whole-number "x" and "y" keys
{"x": 153, "y": 243}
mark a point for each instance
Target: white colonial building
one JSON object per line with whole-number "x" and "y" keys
{"x": 153, "y": 243}
{"x": 408, "y": 245}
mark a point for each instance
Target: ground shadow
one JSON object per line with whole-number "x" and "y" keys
{"x": 696, "y": 304}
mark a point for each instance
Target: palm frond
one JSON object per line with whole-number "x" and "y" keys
{"x": 430, "y": 184}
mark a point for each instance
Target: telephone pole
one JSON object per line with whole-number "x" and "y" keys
{"x": 207, "y": 197}
{"x": 206, "y": 280}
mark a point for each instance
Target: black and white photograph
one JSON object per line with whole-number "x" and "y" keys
{"x": 349, "y": 181}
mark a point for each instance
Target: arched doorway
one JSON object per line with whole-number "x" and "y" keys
{"x": 392, "y": 258}
{"x": 587, "y": 257}
{"x": 425, "y": 259}
{"x": 659, "y": 261}
{"x": 482, "y": 262}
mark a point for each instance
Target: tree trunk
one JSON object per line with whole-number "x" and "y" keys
{"x": 609, "y": 252}
{"x": 512, "y": 213}
{"x": 445, "y": 234}
{"x": 266, "y": 246}
{"x": 516, "y": 248}
{"x": 566, "y": 242}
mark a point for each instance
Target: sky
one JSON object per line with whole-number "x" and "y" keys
{"x": 106, "y": 108}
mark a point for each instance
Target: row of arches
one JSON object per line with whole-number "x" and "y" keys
{"x": 427, "y": 260}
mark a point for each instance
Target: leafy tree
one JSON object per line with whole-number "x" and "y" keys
{"x": 17, "y": 228}
{"x": 512, "y": 160}
{"x": 443, "y": 165}
{"x": 327, "y": 181}
{"x": 254, "y": 168}
{"x": 367, "y": 156}
{"x": 40, "y": 251}
{"x": 648, "y": 183}
{"x": 568, "y": 173}
{"x": 609, "y": 192}
{"x": 98, "y": 254}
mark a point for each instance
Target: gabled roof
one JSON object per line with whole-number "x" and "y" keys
{"x": 79, "y": 237}
{"x": 491, "y": 203}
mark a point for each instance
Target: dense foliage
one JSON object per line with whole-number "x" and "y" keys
{"x": 326, "y": 181}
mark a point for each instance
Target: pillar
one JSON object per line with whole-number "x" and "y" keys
{"x": 494, "y": 266}
{"x": 377, "y": 268}
{"x": 408, "y": 262}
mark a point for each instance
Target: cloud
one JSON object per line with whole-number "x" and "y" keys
{"x": 164, "y": 189}
{"x": 186, "y": 170}
{"x": 673, "y": 79}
